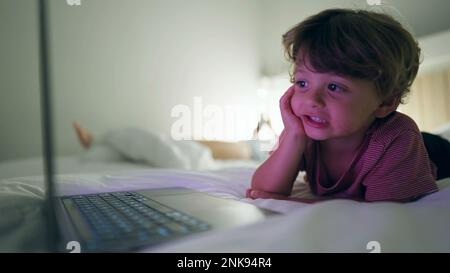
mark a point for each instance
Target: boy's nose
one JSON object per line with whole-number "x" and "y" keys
{"x": 314, "y": 98}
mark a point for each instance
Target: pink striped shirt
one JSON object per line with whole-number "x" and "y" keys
{"x": 391, "y": 165}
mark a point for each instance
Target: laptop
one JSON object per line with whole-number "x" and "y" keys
{"x": 128, "y": 220}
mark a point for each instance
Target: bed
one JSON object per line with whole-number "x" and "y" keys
{"x": 329, "y": 226}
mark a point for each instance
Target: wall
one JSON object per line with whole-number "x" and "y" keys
{"x": 20, "y": 127}
{"x": 126, "y": 63}
{"x": 429, "y": 101}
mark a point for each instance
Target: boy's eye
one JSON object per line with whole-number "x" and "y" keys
{"x": 301, "y": 84}
{"x": 335, "y": 88}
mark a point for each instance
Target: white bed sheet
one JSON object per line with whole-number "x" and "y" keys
{"x": 65, "y": 164}
{"x": 336, "y": 226}
{"x": 74, "y": 164}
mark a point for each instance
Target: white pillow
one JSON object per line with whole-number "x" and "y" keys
{"x": 199, "y": 155}
{"x": 101, "y": 152}
{"x": 149, "y": 147}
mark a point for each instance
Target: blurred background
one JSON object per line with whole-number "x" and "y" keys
{"x": 212, "y": 68}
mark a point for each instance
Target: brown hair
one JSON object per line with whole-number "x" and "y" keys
{"x": 360, "y": 44}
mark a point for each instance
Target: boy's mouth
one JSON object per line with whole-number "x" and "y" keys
{"x": 315, "y": 121}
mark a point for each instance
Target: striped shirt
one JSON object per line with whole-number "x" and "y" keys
{"x": 391, "y": 165}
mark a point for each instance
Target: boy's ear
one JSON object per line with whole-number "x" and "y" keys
{"x": 387, "y": 107}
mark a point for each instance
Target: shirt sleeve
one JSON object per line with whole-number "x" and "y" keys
{"x": 403, "y": 172}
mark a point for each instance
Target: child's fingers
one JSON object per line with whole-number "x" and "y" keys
{"x": 248, "y": 193}
{"x": 265, "y": 195}
{"x": 285, "y": 102}
{"x": 255, "y": 194}
{"x": 287, "y": 96}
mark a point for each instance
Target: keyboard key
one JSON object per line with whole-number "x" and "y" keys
{"x": 176, "y": 227}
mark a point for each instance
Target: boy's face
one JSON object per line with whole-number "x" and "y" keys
{"x": 332, "y": 106}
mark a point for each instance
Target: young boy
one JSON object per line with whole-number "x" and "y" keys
{"x": 352, "y": 68}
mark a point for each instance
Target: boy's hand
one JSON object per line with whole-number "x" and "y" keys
{"x": 292, "y": 123}
{"x": 256, "y": 194}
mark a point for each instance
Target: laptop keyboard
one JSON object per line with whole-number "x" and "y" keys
{"x": 133, "y": 218}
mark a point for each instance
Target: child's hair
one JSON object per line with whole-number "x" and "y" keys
{"x": 360, "y": 44}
